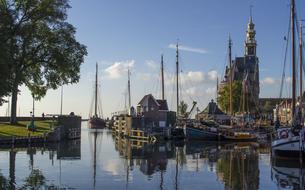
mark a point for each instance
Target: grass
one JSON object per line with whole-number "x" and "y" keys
{"x": 20, "y": 129}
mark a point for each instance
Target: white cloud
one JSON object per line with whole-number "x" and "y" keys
{"x": 189, "y": 49}
{"x": 118, "y": 69}
{"x": 210, "y": 91}
{"x": 145, "y": 76}
{"x": 212, "y": 75}
{"x": 193, "y": 91}
{"x": 288, "y": 79}
{"x": 151, "y": 64}
{"x": 269, "y": 81}
{"x": 192, "y": 76}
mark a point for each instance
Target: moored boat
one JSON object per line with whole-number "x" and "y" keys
{"x": 96, "y": 121}
{"x": 289, "y": 142}
{"x": 244, "y": 136}
{"x": 202, "y": 131}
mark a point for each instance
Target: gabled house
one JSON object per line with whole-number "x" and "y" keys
{"x": 154, "y": 111}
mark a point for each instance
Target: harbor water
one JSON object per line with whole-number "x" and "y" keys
{"x": 101, "y": 160}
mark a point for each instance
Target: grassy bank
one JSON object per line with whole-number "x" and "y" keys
{"x": 20, "y": 129}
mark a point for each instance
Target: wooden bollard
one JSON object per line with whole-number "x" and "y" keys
{"x": 29, "y": 138}
{"x": 13, "y": 142}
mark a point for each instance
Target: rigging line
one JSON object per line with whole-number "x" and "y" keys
{"x": 92, "y": 103}
{"x": 100, "y": 105}
{"x": 187, "y": 84}
{"x": 172, "y": 93}
{"x": 285, "y": 60}
{"x": 158, "y": 89}
{"x": 225, "y": 63}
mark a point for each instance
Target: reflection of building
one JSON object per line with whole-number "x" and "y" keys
{"x": 212, "y": 112}
{"x": 150, "y": 158}
{"x": 69, "y": 150}
{"x": 239, "y": 169}
{"x": 246, "y": 70}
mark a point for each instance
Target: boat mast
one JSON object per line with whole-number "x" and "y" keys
{"x": 95, "y": 106}
{"x": 293, "y": 57}
{"x": 129, "y": 97}
{"x": 301, "y": 65}
{"x": 231, "y": 74}
{"x": 162, "y": 77}
{"x": 177, "y": 75}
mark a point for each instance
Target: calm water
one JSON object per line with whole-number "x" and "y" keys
{"x": 101, "y": 161}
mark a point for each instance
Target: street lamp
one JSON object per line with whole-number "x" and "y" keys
{"x": 31, "y": 126}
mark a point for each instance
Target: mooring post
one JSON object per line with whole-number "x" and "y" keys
{"x": 13, "y": 141}
{"x": 29, "y": 138}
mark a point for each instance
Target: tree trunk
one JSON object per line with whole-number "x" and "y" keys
{"x": 13, "y": 119}
{"x": 12, "y": 168}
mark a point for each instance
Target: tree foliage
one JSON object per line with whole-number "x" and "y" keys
{"x": 182, "y": 108}
{"x": 224, "y": 97}
{"x": 5, "y": 65}
{"x": 42, "y": 52}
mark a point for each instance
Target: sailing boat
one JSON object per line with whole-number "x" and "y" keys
{"x": 289, "y": 141}
{"x": 95, "y": 121}
{"x": 231, "y": 133}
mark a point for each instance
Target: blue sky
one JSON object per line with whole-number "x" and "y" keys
{"x": 118, "y": 33}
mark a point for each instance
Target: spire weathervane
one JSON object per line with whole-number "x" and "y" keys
{"x": 251, "y": 7}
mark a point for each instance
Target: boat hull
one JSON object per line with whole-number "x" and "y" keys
{"x": 200, "y": 134}
{"x": 234, "y": 139}
{"x": 288, "y": 147}
{"x": 97, "y": 123}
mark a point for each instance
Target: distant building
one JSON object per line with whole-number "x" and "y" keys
{"x": 154, "y": 111}
{"x": 246, "y": 70}
{"x": 283, "y": 112}
{"x": 212, "y": 112}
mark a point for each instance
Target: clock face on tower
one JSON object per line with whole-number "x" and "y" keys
{"x": 250, "y": 50}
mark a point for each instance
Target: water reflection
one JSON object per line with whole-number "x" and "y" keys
{"x": 238, "y": 168}
{"x": 236, "y": 165}
{"x": 288, "y": 173}
{"x": 36, "y": 180}
{"x": 106, "y": 161}
{"x": 95, "y": 142}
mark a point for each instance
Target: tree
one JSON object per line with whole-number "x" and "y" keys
{"x": 5, "y": 66}
{"x": 224, "y": 97}
{"x": 42, "y": 52}
{"x": 182, "y": 108}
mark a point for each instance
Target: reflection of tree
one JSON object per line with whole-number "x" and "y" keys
{"x": 12, "y": 169}
{"x": 35, "y": 180}
{"x": 239, "y": 169}
{"x": 4, "y": 183}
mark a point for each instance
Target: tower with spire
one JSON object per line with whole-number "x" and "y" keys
{"x": 250, "y": 43}
{"x": 245, "y": 70}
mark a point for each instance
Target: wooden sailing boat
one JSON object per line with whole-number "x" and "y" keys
{"x": 231, "y": 133}
{"x": 95, "y": 121}
{"x": 288, "y": 141}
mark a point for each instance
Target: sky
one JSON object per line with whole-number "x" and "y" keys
{"x": 134, "y": 33}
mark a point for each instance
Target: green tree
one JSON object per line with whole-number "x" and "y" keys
{"x": 182, "y": 108}
{"x": 224, "y": 97}
{"x": 42, "y": 52}
{"x": 268, "y": 107}
{"x": 5, "y": 66}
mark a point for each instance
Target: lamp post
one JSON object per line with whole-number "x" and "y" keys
{"x": 31, "y": 126}
{"x": 61, "y": 98}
